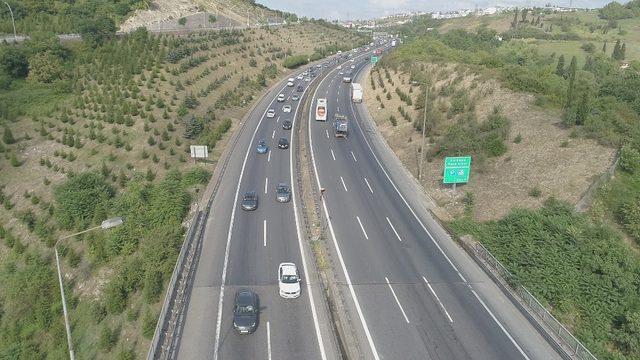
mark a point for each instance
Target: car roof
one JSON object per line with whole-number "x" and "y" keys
{"x": 288, "y": 268}
{"x": 245, "y": 297}
{"x": 250, "y": 193}
{"x": 283, "y": 139}
{"x": 283, "y": 184}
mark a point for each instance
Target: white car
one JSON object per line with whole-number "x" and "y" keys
{"x": 346, "y": 79}
{"x": 281, "y": 98}
{"x": 286, "y": 108}
{"x": 339, "y": 67}
{"x": 341, "y": 73}
{"x": 271, "y": 113}
{"x": 290, "y": 83}
{"x": 353, "y": 66}
{"x": 307, "y": 79}
{"x": 288, "y": 281}
{"x": 291, "y": 80}
{"x": 299, "y": 77}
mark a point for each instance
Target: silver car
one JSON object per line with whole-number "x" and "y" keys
{"x": 283, "y": 193}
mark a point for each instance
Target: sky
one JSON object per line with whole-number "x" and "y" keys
{"x": 367, "y": 9}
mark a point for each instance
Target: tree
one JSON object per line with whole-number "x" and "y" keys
{"x": 623, "y": 51}
{"x": 616, "y": 51}
{"x": 560, "y": 66}
{"x": 45, "y": 67}
{"x": 588, "y": 63}
{"x": 604, "y": 47}
{"x": 212, "y": 18}
{"x": 630, "y": 159}
{"x": 514, "y": 23}
{"x": 524, "y": 15}
{"x": 97, "y": 30}
{"x": 572, "y": 78}
{"x": 80, "y": 198}
{"x": 7, "y": 137}
{"x": 182, "y": 21}
{"x": 13, "y": 61}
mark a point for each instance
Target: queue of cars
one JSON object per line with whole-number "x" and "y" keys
{"x": 247, "y": 303}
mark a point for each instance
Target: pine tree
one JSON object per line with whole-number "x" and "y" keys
{"x": 524, "y": 15}
{"x": 572, "y": 78}
{"x": 560, "y": 67}
{"x": 514, "y": 24}
{"x": 623, "y": 51}
{"x": 588, "y": 64}
{"x": 8, "y": 136}
{"x": 583, "y": 109}
{"x": 616, "y": 51}
{"x": 604, "y": 47}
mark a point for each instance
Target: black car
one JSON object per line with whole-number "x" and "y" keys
{"x": 283, "y": 143}
{"x": 286, "y": 125}
{"x": 246, "y": 311}
{"x": 300, "y": 88}
{"x": 250, "y": 201}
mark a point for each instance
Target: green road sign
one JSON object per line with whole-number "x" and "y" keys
{"x": 374, "y": 59}
{"x": 456, "y": 169}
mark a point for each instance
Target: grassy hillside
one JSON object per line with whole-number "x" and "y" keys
{"x": 103, "y": 129}
{"x": 585, "y": 267}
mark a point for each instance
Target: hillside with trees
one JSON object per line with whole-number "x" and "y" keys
{"x": 102, "y": 128}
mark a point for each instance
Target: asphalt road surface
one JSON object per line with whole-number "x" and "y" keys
{"x": 414, "y": 294}
{"x": 411, "y": 292}
{"x": 242, "y": 249}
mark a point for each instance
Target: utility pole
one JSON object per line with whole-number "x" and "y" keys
{"x": 13, "y": 21}
{"x": 424, "y": 125}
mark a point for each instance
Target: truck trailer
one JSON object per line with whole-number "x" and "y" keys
{"x": 356, "y": 92}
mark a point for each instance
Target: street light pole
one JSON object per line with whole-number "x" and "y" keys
{"x": 15, "y": 35}
{"x": 424, "y": 123}
{"x": 107, "y": 224}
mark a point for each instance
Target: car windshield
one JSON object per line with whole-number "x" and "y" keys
{"x": 282, "y": 189}
{"x": 289, "y": 279}
{"x": 245, "y": 310}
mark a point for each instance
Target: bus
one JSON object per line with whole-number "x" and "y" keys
{"x": 321, "y": 109}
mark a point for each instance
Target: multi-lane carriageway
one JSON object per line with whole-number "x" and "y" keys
{"x": 410, "y": 291}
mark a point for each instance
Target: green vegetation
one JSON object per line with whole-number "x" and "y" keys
{"x": 579, "y": 267}
{"x": 33, "y": 16}
{"x": 295, "y": 61}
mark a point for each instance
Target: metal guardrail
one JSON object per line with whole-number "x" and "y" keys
{"x": 577, "y": 349}
{"x": 172, "y": 296}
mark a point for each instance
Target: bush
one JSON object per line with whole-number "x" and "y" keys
{"x": 149, "y": 324}
{"x": 295, "y": 61}
{"x": 82, "y": 199}
{"x": 630, "y": 159}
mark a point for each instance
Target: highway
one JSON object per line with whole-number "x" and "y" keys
{"x": 411, "y": 292}
{"x": 242, "y": 249}
{"x": 415, "y": 295}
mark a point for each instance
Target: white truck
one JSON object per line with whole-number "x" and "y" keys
{"x": 321, "y": 109}
{"x": 393, "y": 43}
{"x": 341, "y": 126}
{"x": 356, "y": 92}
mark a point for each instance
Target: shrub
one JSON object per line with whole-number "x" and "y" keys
{"x": 295, "y": 61}
{"x": 630, "y": 159}
{"x": 81, "y": 198}
{"x": 535, "y": 192}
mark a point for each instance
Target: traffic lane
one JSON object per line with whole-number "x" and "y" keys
{"x": 413, "y": 258}
{"x": 498, "y": 334}
{"x": 196, "y": 341}
{"x": 418, "y": 252}
{"x": 506, "y": 315}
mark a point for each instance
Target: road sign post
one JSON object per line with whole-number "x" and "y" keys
{"x": 456, "y": 170}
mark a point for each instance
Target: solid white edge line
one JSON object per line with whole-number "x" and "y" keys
{"x": 268, "y": 341}
{"x": 264, "y": 232}
{"x": 352, "y": 291}
{"x": 438, "y": 299}
{"x": 343, "y": 184}
{"x": 316, "y": 322}
{"x": 362, "y": 228}
{"x": 393, "y": 228}
{"x": 500, "y": 325}
{"x": 397, "y": 301}
{"x": 429, "y": 233}
{"x": 216, "y": 346}
{"x": 354, "y": 157}
{"x": 333, "y": 155}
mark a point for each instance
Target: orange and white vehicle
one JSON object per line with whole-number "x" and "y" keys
{"x": 321, "y": 109}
